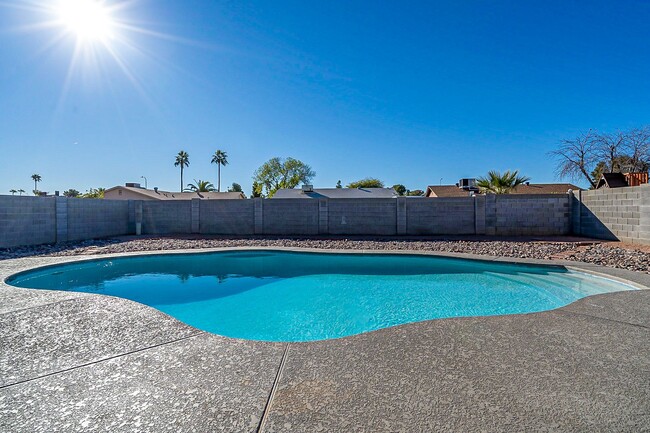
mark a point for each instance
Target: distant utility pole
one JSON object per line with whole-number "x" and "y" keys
{"x": 145, "y": 181}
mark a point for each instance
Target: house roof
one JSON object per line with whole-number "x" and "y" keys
{"x": 166, "y": 195}
{"x": 533, "y": 188}
{"x": 337, "y": 193}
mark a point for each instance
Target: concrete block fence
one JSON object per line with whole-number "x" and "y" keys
{"x": 617, "y": 214}
{"x": 41, "y": 220}
{"x": 621, "y": 213}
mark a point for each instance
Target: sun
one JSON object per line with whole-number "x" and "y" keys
{"x": 88, "y": 20}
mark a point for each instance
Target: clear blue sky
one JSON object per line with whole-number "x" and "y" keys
{"x": 409, "y": 92}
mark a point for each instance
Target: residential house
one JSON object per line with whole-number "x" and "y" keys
{"x": 133, "y": 191}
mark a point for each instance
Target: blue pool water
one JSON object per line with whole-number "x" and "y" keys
{"x": 287, "y": 296}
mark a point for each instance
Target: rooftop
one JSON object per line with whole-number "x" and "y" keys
{"x": 337, "y": 193}
{"x": 533, "y": 188}
{"x": 167, "y": 195}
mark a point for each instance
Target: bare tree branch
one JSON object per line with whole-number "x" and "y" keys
{"x": 577, "y": 157}
{"x": 608, "y": 148}
{"x": 637, "y": 147}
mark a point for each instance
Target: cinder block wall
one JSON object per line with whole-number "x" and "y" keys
{"x": 26, "y": 221}
{"x": 37, "y": 220}
{"x": 166, "y": 217}
{"x": 290, "y": 217}
{"x": 88, "y": 219}
{"x": 441, "y": 216}
{"x": 532, "y": 215}
{"x": 372, "y": 216}
{"x": 617, "y": 214}
{"x": 227, "y": 217}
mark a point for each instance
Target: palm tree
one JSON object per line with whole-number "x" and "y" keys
{"x": 200, "y": 186}
{"x": 36, "y": 178}
{"x": 182, "y": 160}
{"x": 21, "y": 191}
{"x": 497, "y": 183}
{"x": 220, "y": 158}
{"x": 13, "y": 191}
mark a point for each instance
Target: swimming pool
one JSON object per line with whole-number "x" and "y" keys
{"x": 296, "y": 296}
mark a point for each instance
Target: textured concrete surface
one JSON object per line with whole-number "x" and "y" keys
{"x": 537, "y": 372}
{"x": 73, "y": 362}
{"x": 82, "y": 330}
{"x": 201, "y": 384}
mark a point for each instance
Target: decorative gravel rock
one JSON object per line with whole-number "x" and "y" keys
{"x": 606, "y": 254}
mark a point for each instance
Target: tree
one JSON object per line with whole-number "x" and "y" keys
{"x": 36, "y": 178}
{"x": 598, "y": 171}
{"x": 637, "y": 147}
{"x": 220, "y": 158}
{"x": 71, "y": 193}
{"x": 235, "y": 187}
{"x": 182, "y": 160}
{"x": 338, "y": 184}
{"x": 21, "y": 191}
{"x": 498, "y": 183}
{"x": 400, "y": 189}
{"x": 415, "y": 193}
{"x": 608, "y": 149}
{"x": 577, "y": 157}
{"x": 278, "y": 174}
{"x": 591, "y": 154}
{"x": 200, "y": 186}
{"x": 13, "y": 191}
{"x": 368, "y": 182}
{"x": 257, "y": 189}
{"x": 94, "y": 193}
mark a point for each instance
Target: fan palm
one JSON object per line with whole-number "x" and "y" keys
{"x": 21, "y": 191}
{"x": 36, "y": 178}
{"x": 220, "y": 158}
{"x": 200, "y": 186}
{"x": 500, "y": 183}
{"x": 13, "y": 191}
{"x": 182, "y": 160}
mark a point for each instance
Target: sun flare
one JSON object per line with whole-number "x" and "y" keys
{"x": 88, "y": 20}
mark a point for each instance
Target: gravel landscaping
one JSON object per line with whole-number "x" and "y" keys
{"x": 611, "y": 254}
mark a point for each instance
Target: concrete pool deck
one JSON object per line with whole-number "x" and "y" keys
{"x": 83, "y": 362}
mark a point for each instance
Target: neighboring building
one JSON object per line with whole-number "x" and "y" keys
{"x": 308, "y": 191}
{"x": 133, "y": 191}
{"x": 434, "y": 191}
{"x": 620, "y": 180}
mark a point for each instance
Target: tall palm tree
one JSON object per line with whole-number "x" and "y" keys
{"x": 36, "y": 178}
{"x": 498, "y": 183}
{"x": 21, "y": 191}
{"x": 200, "y": 186}
{"x": 13, "y": 191}
{"x": 220, "y": 158}
{"x": 182, "y": 160}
